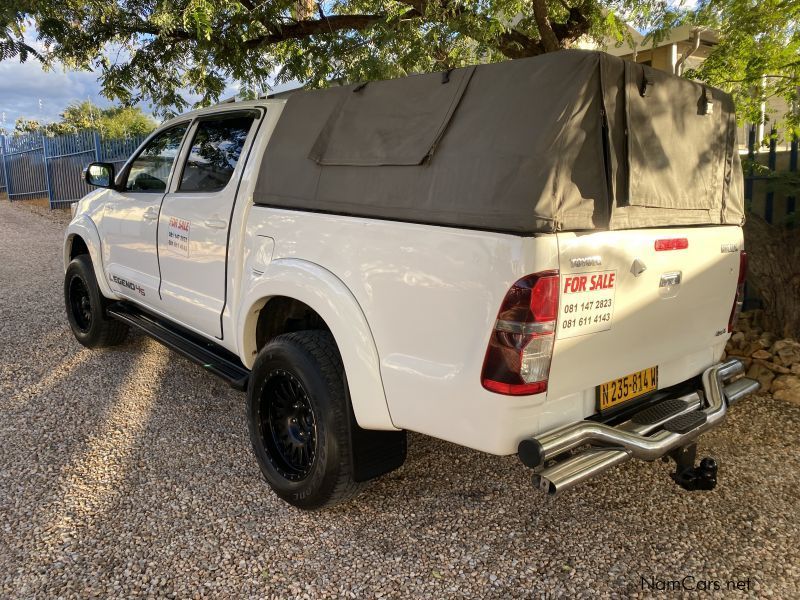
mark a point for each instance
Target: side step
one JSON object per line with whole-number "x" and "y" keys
{"x": 210, "y": 356}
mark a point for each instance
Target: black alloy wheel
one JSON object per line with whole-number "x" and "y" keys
{"x": 81, "y": 303}
{"x": 288, "y": 426}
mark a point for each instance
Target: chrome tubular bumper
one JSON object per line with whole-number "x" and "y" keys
{"x": 648, "y": 435}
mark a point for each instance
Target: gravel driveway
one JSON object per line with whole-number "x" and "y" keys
{"x": 128, "y": 472}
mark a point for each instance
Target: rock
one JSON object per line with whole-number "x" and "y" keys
{"x": 787, "y": 352}
{"x": 767, "y": 339}
{"x": 784, "y": 382}
{"x": 787, "y": 395}
{"x": 796, "y": 369}
{"x": 762, "y": 374}
{"x": 738, "y": 339}
{"x": 752, "y": 347}
{"x": 761, "y": 354}
{"x": 787, "y": 388}
{"x": 775, "y": 368}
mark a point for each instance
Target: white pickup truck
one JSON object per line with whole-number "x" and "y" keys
{"x": 541, "y": 257}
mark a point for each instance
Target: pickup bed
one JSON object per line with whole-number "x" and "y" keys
{"x": 577, "y": 338}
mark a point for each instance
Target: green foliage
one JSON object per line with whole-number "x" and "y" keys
{"x": 160, "y": 50}
{"x": 758, "y": 57}
{"x": 115, "y": 122}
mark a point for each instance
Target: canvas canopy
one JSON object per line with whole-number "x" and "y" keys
{"x": 572, "y": 140}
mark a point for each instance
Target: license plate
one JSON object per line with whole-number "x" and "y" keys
{"x": 618, "y": 391}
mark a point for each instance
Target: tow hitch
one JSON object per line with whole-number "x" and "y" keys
{"x": 689, "y": 476}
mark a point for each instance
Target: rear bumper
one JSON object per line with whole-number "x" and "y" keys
{"x": 654, "y": 432}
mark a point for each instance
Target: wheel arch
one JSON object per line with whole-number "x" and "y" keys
{"x": 328, "y": 297}
{"x": 82, "y": 231}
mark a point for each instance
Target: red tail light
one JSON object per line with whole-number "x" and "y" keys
{"x": 672, "y": 244}
{"x": 517, "y": 360}
{"x": 738, "y": 300}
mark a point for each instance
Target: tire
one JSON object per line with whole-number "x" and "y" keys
{"x": 86, "y": 307}
{"x": 298, "y": 414}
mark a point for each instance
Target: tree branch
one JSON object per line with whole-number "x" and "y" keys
{"x": 306, "y": 28}
{"x": 549, "y": 40}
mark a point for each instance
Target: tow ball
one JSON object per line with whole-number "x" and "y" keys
{"x": 689, "y": 476}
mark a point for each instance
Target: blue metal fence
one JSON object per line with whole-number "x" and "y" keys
{"x": 38, "y": 166}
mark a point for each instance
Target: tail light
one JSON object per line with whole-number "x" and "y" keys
{"x": 738, "y": 300}
{"x": 517, "y": 360}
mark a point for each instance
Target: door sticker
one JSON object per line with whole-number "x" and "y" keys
{"x": 178, "y": 235}
{"x": 587, "y": 303}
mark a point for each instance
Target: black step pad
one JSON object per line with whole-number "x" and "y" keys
{"x": 659, "y": 412}
{"x": 686, "y": 423}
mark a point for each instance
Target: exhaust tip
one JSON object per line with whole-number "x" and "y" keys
{"x": 545, "y": 485}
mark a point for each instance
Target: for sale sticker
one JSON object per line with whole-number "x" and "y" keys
{"x": 178, "y": 235}
{"x": 587, "y": 303}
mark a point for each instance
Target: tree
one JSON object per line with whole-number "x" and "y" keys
{"x": 758, "y": 59}
{"x": 115, "y": 122}
{"x": 153, "y": 49}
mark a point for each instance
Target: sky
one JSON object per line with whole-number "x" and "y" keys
{"x": 28, "y": 91}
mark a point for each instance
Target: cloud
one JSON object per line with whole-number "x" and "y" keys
{"x": 27, "y": 91}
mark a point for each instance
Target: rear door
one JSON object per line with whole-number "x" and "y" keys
{"x": 637, "y": 301}
{"x": 195, "y": 220}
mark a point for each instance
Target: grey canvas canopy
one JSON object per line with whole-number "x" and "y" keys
{"x": 572, "y": 140}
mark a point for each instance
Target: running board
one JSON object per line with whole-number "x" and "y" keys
{"x": 210, "y": 356}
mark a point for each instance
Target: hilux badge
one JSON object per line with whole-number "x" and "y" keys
{"x": 586, "y": 261}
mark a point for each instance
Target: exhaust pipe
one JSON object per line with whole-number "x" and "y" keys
{"x": 616, "y": 445}
{"x": 569, "y": 473}
{"x": 534, "y": 452}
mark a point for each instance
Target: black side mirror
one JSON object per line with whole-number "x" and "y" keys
{"x": 100, "y": 174}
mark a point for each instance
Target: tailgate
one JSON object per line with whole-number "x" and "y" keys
{"x": 625, "y": 306}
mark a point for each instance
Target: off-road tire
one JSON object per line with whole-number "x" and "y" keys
{"x": 86, "y": 307}
{"x": 310, "y": 362}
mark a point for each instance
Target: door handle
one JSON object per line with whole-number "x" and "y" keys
{"x": 150, "y": 214}
{"x": 215, "y": 223}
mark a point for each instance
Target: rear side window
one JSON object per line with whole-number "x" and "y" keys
{"x": 215, "y": 150}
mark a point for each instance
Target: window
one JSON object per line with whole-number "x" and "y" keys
{"x": 149, "y": 172}
{"x": 215, "y": 151}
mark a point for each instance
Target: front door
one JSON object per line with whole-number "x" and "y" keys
{"x": 130, "y": 219}
{"x": 195, "y": 219}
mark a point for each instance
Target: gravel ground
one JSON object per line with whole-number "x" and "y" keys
{"x": 128, "y": 472}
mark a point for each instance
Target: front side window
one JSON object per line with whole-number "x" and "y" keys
{"x": 215, "y": 151}
{"x": 149, "y": 172}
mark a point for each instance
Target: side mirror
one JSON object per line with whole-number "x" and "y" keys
{"x": 100, "y": 174}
